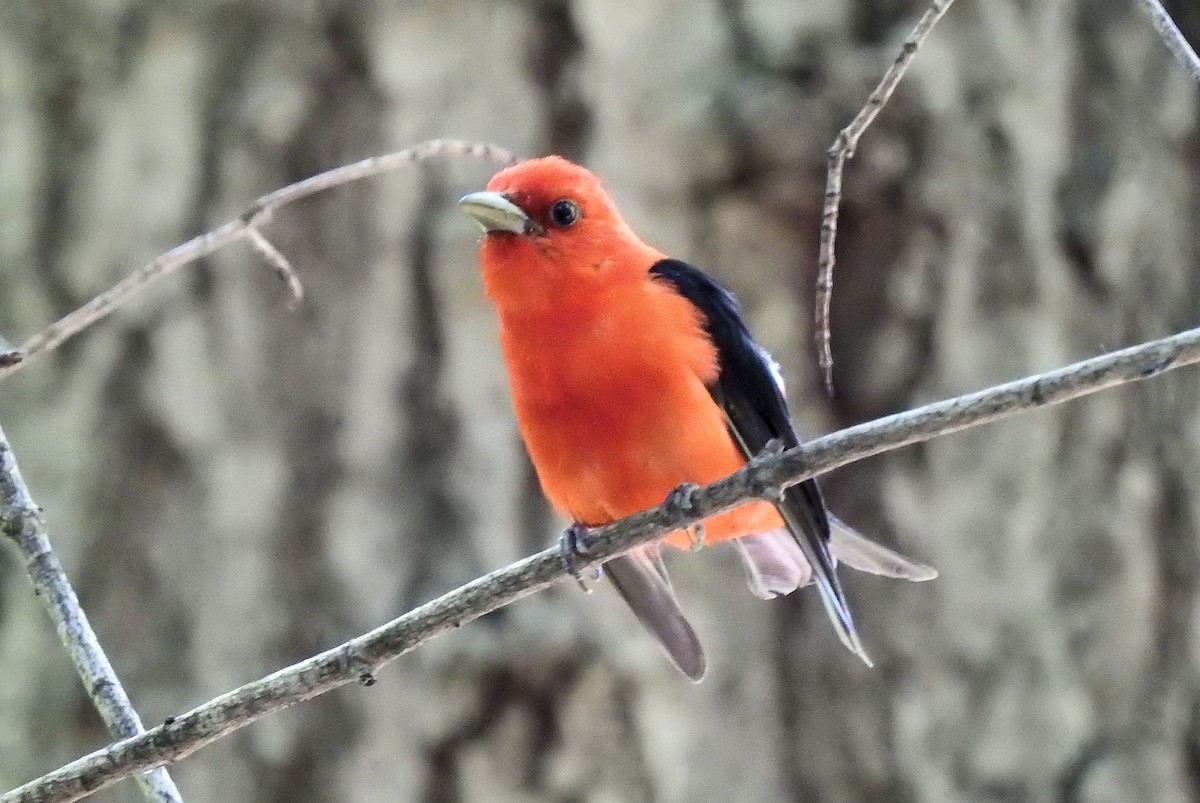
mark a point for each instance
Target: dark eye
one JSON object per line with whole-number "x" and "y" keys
{"x": 564, "y": 213}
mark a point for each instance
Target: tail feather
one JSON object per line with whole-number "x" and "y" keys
{"x": 857, "y": 551}
{"x": 641, "y": 578}
{"x": 773, "y": 562}
{"x": 803, "y": 512}
{"x": 776, "y": 564}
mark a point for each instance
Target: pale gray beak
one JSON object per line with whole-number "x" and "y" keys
{"x": 494, "y": 212}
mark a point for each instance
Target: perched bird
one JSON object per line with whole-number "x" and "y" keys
{"x": 633, "y": 375}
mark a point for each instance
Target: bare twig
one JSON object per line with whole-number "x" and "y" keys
{"x": 361, "y": 657}
{"x": 1174, "y": 40}
{"x": 847, "y": 139}
{"x": 279, "y": 263}
{"x": 843, "y": 149}
{"x": 245, "y": 226}
{"x": 21, "y": 522}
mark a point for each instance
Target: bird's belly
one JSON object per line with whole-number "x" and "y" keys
{"x": 602, "y": 456}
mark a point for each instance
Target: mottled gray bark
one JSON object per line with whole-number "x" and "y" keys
{"x": 1028, "y": 199}
{"x": 765, "y": 477}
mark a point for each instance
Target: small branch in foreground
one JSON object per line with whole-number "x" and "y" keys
{"x": 361, "y": 657}
{"x": 244, "y": 227}
{"x": 1171, "y": 36}
{"x": 842, "y": 150}
{"x": 21, "y": 522}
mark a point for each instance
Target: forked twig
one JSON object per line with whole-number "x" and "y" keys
{"x": 20, "y": 519}
{"x": 246, "y": 226}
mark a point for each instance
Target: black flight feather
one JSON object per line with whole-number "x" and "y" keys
{"x": 749, "y": 392}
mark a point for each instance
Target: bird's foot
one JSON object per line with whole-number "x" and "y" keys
{"x": 574, "y": 544}
{"x": 681, "y": 502}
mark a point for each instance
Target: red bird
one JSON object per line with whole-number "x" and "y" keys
{"x": 634, "y": 374}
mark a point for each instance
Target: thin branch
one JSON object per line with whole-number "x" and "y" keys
{"x": 842, "y": 150}
{"x": 244, "y": 226}
{"x": 1174, "y": 40}
{"x": 21, "y": 522}
{"x": 280, "y": 264}
{"x": 361, "y": 657}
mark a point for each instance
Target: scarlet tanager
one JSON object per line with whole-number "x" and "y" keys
{"x": 633, "y": 374}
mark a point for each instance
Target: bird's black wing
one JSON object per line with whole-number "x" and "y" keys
{"x": 750, "y": 393}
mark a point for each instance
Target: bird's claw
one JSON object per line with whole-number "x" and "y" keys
{"x": 574, "y": 544}
{"x": 681, "y": 502}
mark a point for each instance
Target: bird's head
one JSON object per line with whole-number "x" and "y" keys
{"x": 551, "y": 229}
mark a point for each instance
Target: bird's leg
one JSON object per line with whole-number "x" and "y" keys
{"x": 574, "y": 544}
{"x": 681, "y": 502}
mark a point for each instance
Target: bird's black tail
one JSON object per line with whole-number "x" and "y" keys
{"x": 641, "y": 578}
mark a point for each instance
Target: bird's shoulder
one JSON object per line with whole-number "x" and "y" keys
{"x": 748, "y": 385}
{"x": 722, "y": 318}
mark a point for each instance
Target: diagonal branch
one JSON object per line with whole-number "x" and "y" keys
{"x": 21, "y": 522}
{"x": 20, "y": 518}
{"x": 842, "y": 150}
{"x": 246, "y": 226}
{"x": 359, "y": 658}
{"x": 1171, "y": 36}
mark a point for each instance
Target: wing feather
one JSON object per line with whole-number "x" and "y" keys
{"x": 749, "y": 391}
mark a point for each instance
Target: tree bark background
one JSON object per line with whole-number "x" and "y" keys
{"x": 234, "y": 487}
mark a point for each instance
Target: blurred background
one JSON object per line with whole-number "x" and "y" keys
{"x": 234, "y": 487}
